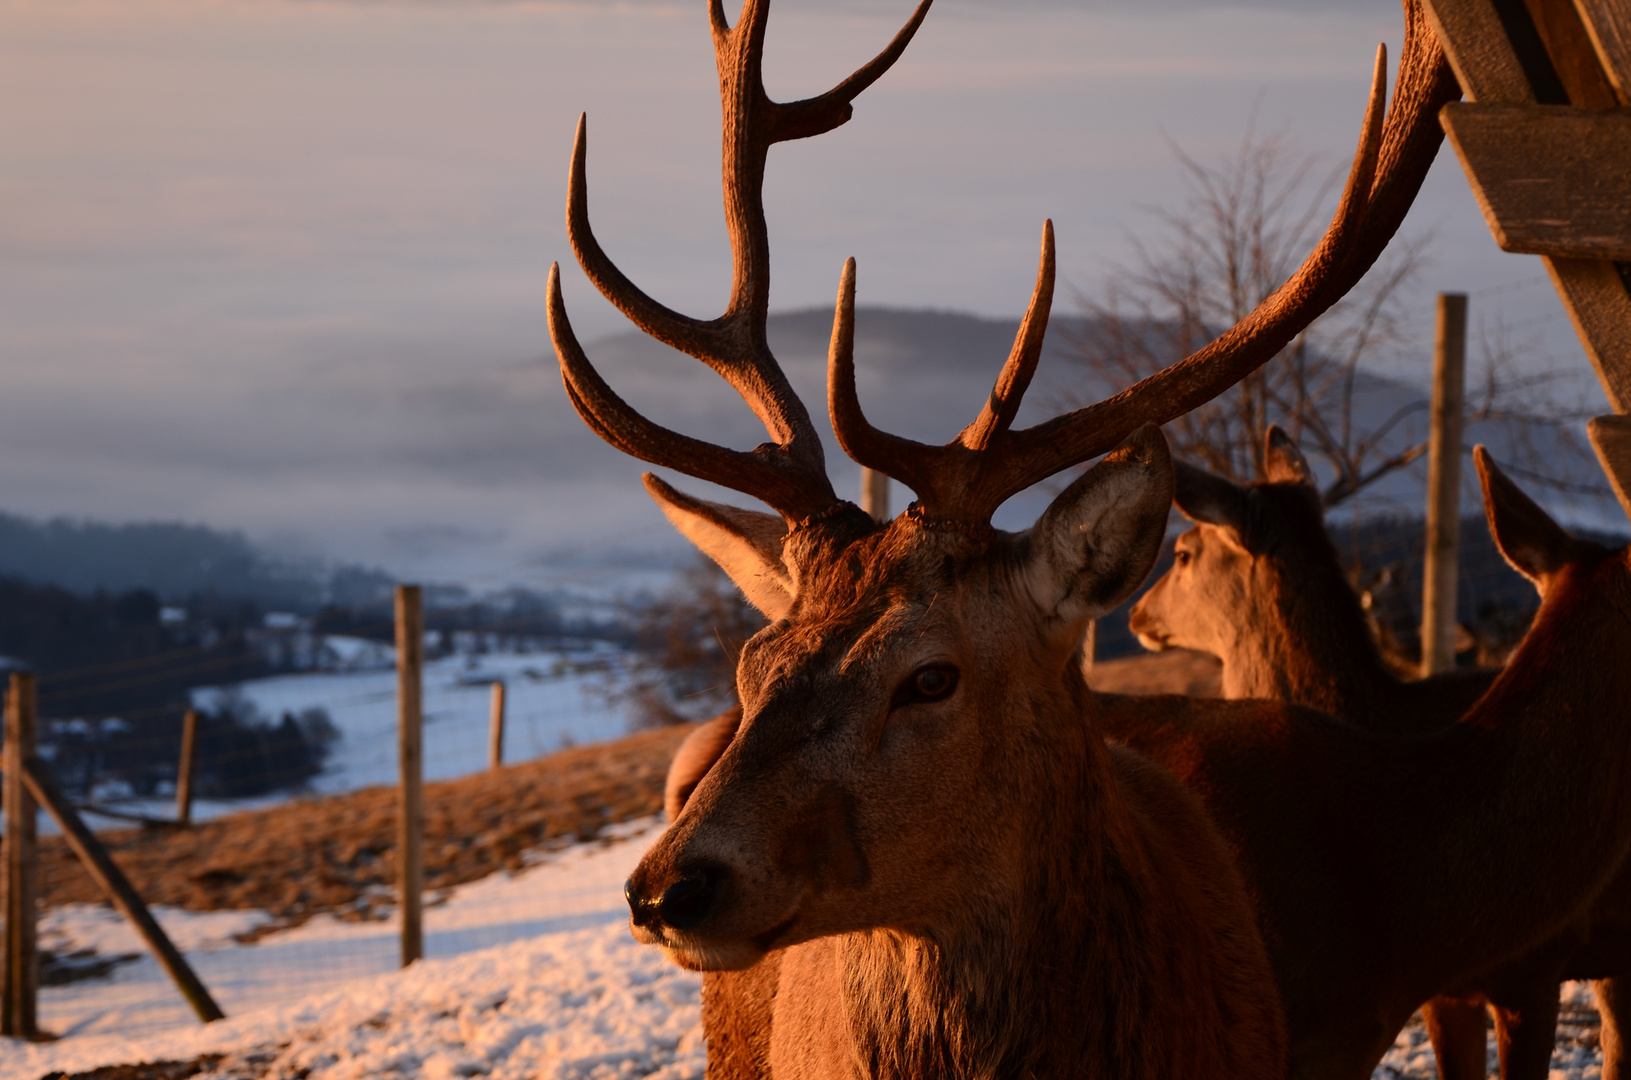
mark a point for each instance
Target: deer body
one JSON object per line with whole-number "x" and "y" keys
{"x": 1388, "y": 870}
{"x": 1257, "y": 583}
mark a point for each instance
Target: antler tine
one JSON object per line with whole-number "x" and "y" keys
{"x": 1016, "y": 374}
{"x": 691, "y": 336}
{"x": 1358, "y": 232}
{"x": 735, "y": 344}
{"x": 909, "y": 461}
{"x": 769, "y": 472}
{"x": 969, "y": 478}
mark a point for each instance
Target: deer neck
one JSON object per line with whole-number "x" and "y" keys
{"x": 1033, "y": 976}
{"x": 1302, "y": 638}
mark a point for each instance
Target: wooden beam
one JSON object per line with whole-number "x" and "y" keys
{"x": 1611, "y": 438}
{"x": 1608, "y": 22}
{"x": 1569, "y": 47}
{"x": 495, "y": 726}
{"x": 1594, "y": 292}
{"x": 1477, "y": 40}
{"x": 184, "y": 767}
{"x": 1476, "y": 45}
{"x": 19, "y": 1000}
{"x": 410, "y": 831}
{"x": 1438, "y": 625}
{"x": 118, "y": 888}
{"x": 1551, "y": 179}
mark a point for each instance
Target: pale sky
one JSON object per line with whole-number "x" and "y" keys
{"x": 279, "y": 265}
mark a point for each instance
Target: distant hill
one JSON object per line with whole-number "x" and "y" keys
{"x": 174, "y": 561}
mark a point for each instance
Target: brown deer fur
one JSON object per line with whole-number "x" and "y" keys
{"x": 1388, "y": 869}
{"x": 1064, "y": 909}
{"x": 1257, "y": 583}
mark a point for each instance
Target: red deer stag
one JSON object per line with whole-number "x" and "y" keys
{"x": 1257, "y": 583}
{"x": 950, "y": 872}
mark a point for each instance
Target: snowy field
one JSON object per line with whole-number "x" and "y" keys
{"x": 553, "y": 699}
{"x": 528, "y": 975}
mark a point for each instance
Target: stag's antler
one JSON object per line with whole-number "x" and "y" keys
{"x": 788, "y": 473}
{"x": 968, "y": 478}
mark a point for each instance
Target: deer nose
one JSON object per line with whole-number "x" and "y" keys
{"x": 682, "y": 905}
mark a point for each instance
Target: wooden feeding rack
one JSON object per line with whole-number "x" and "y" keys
{"x": 1545, "y": 139}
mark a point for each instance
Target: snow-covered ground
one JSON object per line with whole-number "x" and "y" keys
{"x": 530, "y": 975}
{"x": 527, "y": 975}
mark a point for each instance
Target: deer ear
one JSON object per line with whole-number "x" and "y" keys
{"x": 746, "y": 544}
{"x": 1096, "y": 543}
{"x": 1283, "y": 462}
{"x": 1208, "y": 498}
{"x": 1535, "y": 545}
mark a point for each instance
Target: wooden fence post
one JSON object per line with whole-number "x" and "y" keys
{"x": 22, "y": 867}
{"x": 118, "y": 888}
{"x": 410, "y": 833}
{"x": 184, "y": 770}
{"x": 1438, "y": 625}
{"x": 495, "y": 727}
{"x": 875, "y": 493}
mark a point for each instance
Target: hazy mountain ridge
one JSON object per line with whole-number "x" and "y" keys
{"x": 921, "y": 373}
{"x": 173, "y": 560}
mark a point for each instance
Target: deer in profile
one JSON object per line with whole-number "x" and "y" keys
{"x": 1257, "y": 583}
{"x": 918, "y": 856}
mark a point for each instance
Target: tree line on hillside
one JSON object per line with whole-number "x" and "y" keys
{"x": 114, "y": 677}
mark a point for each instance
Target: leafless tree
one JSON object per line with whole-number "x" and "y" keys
{"x": 1240, "y": 230}
{"x": 686, "y": 646}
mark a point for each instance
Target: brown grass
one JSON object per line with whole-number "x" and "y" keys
{"x": 336, "y": 853}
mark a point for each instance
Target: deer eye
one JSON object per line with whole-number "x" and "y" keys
{"x": 932, "y": 682}
{"x": 1181, "y": 557}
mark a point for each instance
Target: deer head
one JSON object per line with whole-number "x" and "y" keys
{"x": 901, "y": 713}
{"x": 1229, "y": 570}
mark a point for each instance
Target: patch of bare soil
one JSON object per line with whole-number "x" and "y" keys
{"x": 1175, "y": 671}
{"x": 338, "y": 853}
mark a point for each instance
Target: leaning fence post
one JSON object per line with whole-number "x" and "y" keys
{"x": 22, "y": 867}
{"x": 184, "y": 771}
{"x": 495, "y": 727}
{"x": 410, "y": 832}
{"x": 1438, "y": 623}
{"x": 118, "y": 888}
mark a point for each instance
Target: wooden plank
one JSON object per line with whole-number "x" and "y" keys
{"x": 1476, "y": 42}
{"x": 1597, "y": 301}
{"x": 410, "y": 832}
{"x": 1608, "y": 22}
{"x": 1551, "y": 179}
{"x": 118, "y": 888}
{"x": 19, "y": 1011}
{"x": 1476, "y": 45}
{"x": 1611, "y": 438}
{"x": 1438, "y": 625}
